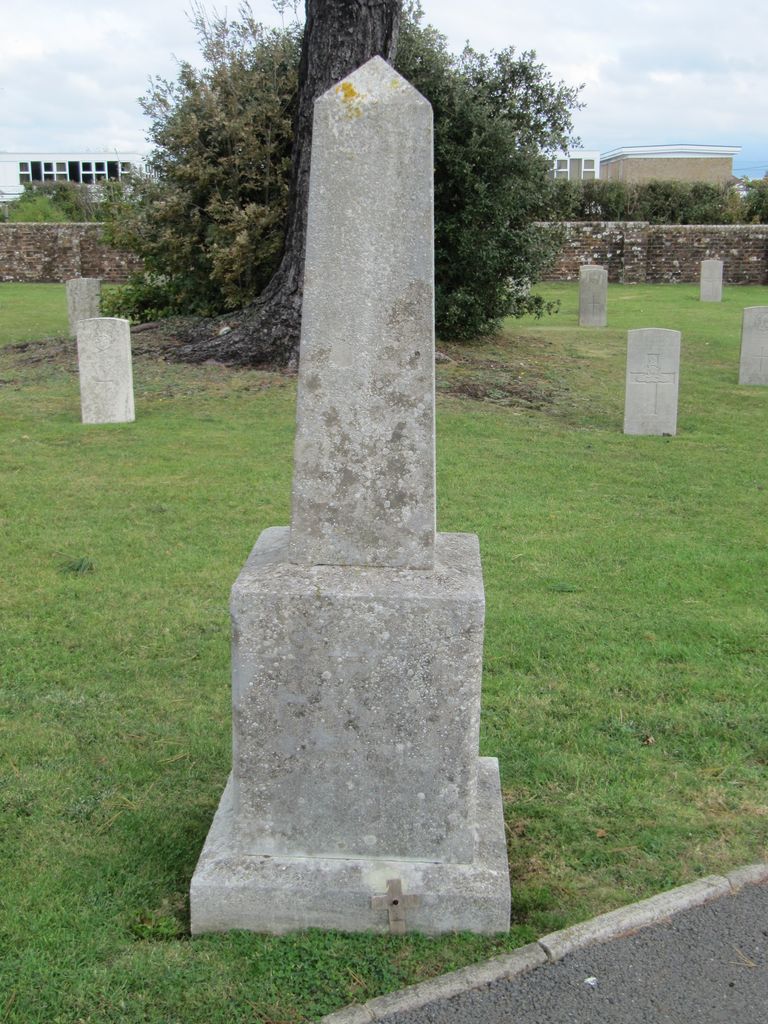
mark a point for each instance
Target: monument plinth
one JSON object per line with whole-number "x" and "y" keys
{"x": 357, "y": 798}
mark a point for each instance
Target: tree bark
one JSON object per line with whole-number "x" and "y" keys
{"x": 339, "y": 36}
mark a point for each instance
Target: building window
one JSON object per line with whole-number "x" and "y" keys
{"x": 87, "y": 172}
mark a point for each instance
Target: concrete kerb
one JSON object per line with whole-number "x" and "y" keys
{"x": 550, "y": 948}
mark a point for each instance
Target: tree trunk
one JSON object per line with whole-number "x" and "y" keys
{"x": 339, "y": 36}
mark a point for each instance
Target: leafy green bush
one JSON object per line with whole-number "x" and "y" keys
{"x": 756, "y": 200}
{"x": 143, "y": 299}
{"x": 209, "y": 220}
{"x": 658, "y": 202}
{"x": 493, "y": 115}
{"x": 61, "y": 202}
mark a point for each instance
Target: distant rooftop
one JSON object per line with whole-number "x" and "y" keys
{"x": 678, "y": 150}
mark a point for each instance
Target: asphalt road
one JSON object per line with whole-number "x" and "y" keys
{"x": 708, "y": 965}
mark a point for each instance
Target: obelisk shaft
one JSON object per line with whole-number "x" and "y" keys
{"x": 364, "y": 469}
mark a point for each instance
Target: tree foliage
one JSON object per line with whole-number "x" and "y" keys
{"x": 658, "y": 202}
{"x": 208, "y": 218}
{"x": 61, "y": 202}
{"x": 756, "y": 200}
{"x": 209, "y": 222}
{"x": 494, "y": 117}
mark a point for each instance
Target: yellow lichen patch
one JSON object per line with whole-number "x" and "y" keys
{"x": 348, "y": 91}
{"x": 351, "y": 98}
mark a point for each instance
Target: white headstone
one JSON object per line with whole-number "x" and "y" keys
{"x": 83, "y": 301}
{"x": 653, "y": 373}
{"x": 593, "y": 296}
{"x": 711, "y": 284}
{"x": 357, "y": 799}
{"x": 753, "y": 364}
{"x": 106, "y": 374}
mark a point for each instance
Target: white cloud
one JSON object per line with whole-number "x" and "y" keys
{"x": 654, "y": 72}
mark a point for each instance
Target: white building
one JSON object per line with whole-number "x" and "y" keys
{"x": 576, "y": 165}
{"x": 20, "y": 169}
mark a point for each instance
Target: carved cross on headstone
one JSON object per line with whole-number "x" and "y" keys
{"x": 396, "y": 904}
{"x": 652, "y": 374}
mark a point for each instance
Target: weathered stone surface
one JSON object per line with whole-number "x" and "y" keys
{"x": 106, "y": 373}
{"x": 281, "y": 894}
{"x": 753, "y": 363}
{"x": 593, "y": 297}
{"x": 364, "y": 477}
{"x": 83, "y": 301}
{"x": 653, "y": 372}
{"x": 356, "y": 695}
{"x": 357, "y": 795}
{"x": 711, "y": 281}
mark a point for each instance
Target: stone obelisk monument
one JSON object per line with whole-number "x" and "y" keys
{"x": 357, "y": 798}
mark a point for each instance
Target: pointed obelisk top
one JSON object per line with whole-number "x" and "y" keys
{"x": 364, "y": 469}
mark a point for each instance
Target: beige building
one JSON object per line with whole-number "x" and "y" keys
{"x": 713, "y": 164}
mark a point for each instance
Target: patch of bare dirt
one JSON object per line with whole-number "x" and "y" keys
{"x": 499, "y": 372}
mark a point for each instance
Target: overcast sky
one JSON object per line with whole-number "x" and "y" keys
{"x": 655, "y": 72}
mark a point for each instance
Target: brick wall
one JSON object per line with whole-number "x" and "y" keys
{"x": 57, "y": 252}
{"x": 632, "y": 252}
{"x": 716, "y": 170}
{"x": 635, "y": 252}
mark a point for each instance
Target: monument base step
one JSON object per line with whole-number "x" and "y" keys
{"x": 280, "y": 894}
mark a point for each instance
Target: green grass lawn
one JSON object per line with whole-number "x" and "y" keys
{"x": 30, "y": 311}
{"x": 625, "y": 689}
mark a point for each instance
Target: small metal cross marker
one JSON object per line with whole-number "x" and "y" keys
{"x": 396, "y": 903}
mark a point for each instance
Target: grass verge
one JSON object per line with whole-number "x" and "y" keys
{"x": 626, "y": 642}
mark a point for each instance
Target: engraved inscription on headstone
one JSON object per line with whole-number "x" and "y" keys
{"x": 83, "y": 301}
{"x": 106, "y": 373}
{"x": 711, "y": 281}
{"x": 358, "y": 631}
{"x": 753, "y": 362}
{"x": 593, "y": 296}
{"x": 653, "y": 365}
